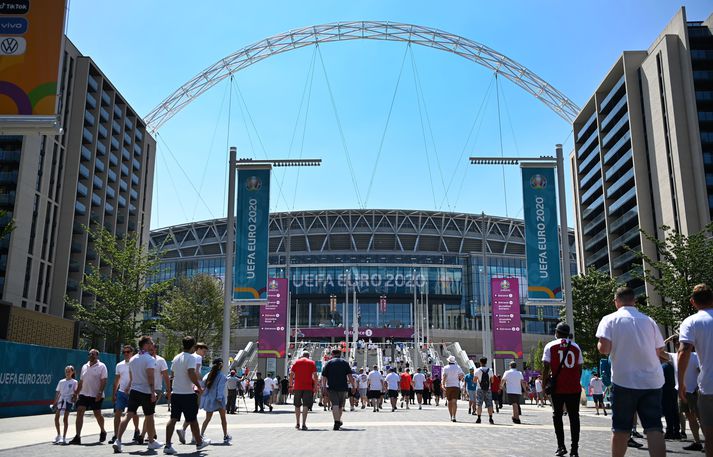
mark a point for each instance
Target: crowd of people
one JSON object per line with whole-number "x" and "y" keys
{"x": 647, "y": 384}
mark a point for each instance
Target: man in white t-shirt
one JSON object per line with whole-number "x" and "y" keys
{"x": 483, "y": 393}
{"x": 514, "y": 387}
{"x": 198, "y": 352}
{"x": 184, "y": 396}
{"x": 160, "y": 375}
{"x": 122, "y": 381}
{"x": 690, "y": 407}
{"x": 375, "y": 385}
{"x": 539, "y": 392}
{"x": 452, "y": 377}
{"x": 392, "y": 386}
{"x": 596, "y": 390}
{"x": 633, "y": 341}
{"x": 267, "y": 391}
{"x": 418, "y": 382}
{"x": 697, "y": 331}
{"x": 142, "y": 393}
{"x": 363, "y": 382}
{"x": 90, "y": 394}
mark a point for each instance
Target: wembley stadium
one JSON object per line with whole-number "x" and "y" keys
{"x": 433, "y": 257}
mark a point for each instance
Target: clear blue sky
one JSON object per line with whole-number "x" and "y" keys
{"x": 150, "y": 48}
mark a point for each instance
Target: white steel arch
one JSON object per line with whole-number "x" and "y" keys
{"x": 362, "y": 30}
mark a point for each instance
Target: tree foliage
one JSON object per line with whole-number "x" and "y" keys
{"x": 121, "y": 287}
{"x": 592, "y": 299}
{"x": 682, "y": 262}
{"x": 536, "y": 356}
{"x": 5, "y": 227}
{"x": 194, "y": 306}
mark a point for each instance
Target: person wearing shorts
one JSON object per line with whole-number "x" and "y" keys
{"x": 633, "y": 340}
{"x": 392, "y": 387}
{"x": 418, "y": 383}
{"x": 596, "y": 389}
{"x": 337, "y": 374}
{"x": 122, "y": 380}
{"x": 470, "y": 389}
{"x": 303, "y": 383}
{"x": 452, "y": 377}
{"x": 363, "y": 383}
{"x": 142, "y": 394}
{"x": 483, "y": 393}
{"x": 375, "y": 386}
{"x": 405, "y": 385}
{"x": 183, "y": 393}
{"x": 90, "y": 394}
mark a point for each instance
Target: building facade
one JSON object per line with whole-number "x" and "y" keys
{"x": 98, "y": 171}
{"x": 435, "y": 257}
{"x": 643, "y": 152}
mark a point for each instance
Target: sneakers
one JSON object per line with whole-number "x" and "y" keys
{"x": 181, "y": 436}
{"x": 153, "y": 445}
{"x": 573, "y": 453}
{"x": 561, "y": 451}
{"x": 102, "y": 436}
{"x": 57, "y": 439}
{"x": 633, "y": 443}
{"x": 117, "y": 447}
{"x": 75, "y": 440}
{"x": 363, "y": 406}
{"x": 304, "y": 427}
{"x": 352, "y": 409}
{"x": 515, "y": 421}
{"x": 477, "y": 421}
{"x": 419, "y": 406}
{"x": 337, "y": 424}
{"x": 636, "y": 434}
{"x": 169, "y": 449}
{"x": 204, "y": 443}
{"x": 227, "y": 439}
{"x": 113, "y": 438}
{"x": 491, "y": 420}
{"x": 693, "y": 447}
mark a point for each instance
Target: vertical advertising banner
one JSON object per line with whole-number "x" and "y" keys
{"x": 507, "y": 326}
{"x": 31, "y": 37}
{"x": 435, "y": 372}
{"x": 273, "y": 321}
{"x": 251, "y": 237}
{"x": 541, "y": 234}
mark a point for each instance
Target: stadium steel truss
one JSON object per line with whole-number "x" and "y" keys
{"x": 370, "y": 231}
{"x": 362, "y": 30}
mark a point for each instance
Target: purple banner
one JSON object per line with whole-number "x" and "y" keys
{"x": 435, "y": 371}
{"x": 273, "y": 321}
{"x": 507, "y": 326}
{"x": 339, "y": 332}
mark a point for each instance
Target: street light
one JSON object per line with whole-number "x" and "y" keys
{"x": 558, "y": 163}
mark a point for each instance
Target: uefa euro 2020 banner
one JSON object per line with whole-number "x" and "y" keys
{"x": 251, "y": 237}
{"x": 541, "y": 235}
{"x": 31, "y": 37}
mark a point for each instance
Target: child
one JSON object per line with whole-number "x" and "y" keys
{"x": 63, "y": 402}
{"x": 213, "y": 398}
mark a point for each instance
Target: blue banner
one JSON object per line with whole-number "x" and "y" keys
{"x": 251, "y": 237}
{"x": 541, "y": 233}
{"x": 30, "y": 375}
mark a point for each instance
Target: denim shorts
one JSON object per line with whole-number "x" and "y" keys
{"x": 626, "y": 403}
{"x": 122, "y": 401}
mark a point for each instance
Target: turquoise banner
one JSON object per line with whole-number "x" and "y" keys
{"x": 251, "y": 237}
{"x": 541, "y": 238}
{"x": 29, "y": 376}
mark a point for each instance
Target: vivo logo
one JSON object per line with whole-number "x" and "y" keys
{"x": 13, "y": 25}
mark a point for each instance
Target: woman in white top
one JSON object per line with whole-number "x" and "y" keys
{"x": 63, "y": 402}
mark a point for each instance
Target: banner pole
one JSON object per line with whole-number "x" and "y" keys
{"x": 229, "y": 248}
{"x": 564, "y": 237}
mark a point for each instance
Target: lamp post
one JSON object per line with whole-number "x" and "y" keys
{"x": 558, "y": 163}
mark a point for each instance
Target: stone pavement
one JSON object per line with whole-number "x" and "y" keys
{"x": 412, "y": 432}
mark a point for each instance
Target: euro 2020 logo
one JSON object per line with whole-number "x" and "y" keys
{"x": 272, "y": 285}
{"x": 253, "y": 184}
{"x": 505, "y": 285}
{"x": 538, "y": 182}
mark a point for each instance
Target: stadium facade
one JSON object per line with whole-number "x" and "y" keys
{"x": 434, "y": 257}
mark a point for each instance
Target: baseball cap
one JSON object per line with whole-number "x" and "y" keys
{"x": 562, "y": 328}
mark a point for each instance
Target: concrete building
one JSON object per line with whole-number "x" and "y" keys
{"x": 643, "y": 154}
{"x": 98, "y": 171}
{"x": 384, "y": 252}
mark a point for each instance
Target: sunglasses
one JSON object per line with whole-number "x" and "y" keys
{"x": 128, "y": 352}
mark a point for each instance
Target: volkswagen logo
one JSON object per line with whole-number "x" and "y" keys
{"x": 9, "y": 46}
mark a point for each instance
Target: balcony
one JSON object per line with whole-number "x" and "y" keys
{"x": 127, "y": 138}
{"x": 115, "y": 127}
{"x": 620, "y": 202}
{"x": 87, "y": 136}
{"x": 8, "y": 177}
{"x": 615, "y": 111}
{"x": 92, "y": 83}
{"x": 111, "y": 175}
{"x": 139, "y": 137}
{"x": 103, "y": 132}
{"x": 594, "y": 172}
{"x": 114, "y": 144}
{"x": 9, "y": 156}
{"x": 617, "y": 147}
{"x": 585, "y": 128}
{"x": 592, "y": 243}
{"x": 125, "y": 153}
{"x": 82, "y": 189}
{"x": 630, "y": 216}
{"x": 624, "y": 259}
{"x": 106, "y": 98}
{"x": 616, "y": 89}
{"x": 110, "y": 193}
{"x": 89, "y": 118}
{"x": 7, "y": 199}
{"x": 96, "y": 200}
{"x": 117, "y": 111}
{"x": 603, "y": 253}
{"x": 91, "y": 101}
{"x": 624, "y": 160}
{"x": 621, "y": 183}
{"x": 624, "y": 239}
{"x": 593, "y": 157}
{"x": 596, "y": 224}
{"x": 99, "y": 165}
{"x": 616, "y": 129}
{"x": 79, "y": 208}
{"x": 86, "y": 153}
{"x": 103, "y": 114}
{"x": 137, "y": 149}
{"x": 134, "y": 195}
{"x": 593, "y": 191}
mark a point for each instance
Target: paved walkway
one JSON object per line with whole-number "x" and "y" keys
{"x": 411, "y": 432}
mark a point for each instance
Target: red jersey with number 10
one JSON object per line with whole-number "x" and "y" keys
{"x": 568, "y": 380}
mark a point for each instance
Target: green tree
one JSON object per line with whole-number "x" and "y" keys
{"x": 194, "y": 306}
{"x": 592, "y": 299}
{"x": 5, "y": 227}
{"x": 681, "y": 263}
{"x": 122, "y": 289}
{"x": 536, "y": 356}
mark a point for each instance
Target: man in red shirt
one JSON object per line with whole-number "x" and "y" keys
{"x": 563, "y": 364}
{"x": 405, "y": 386}
{"x": 497, "y": 393}
{"x": 303, "y": 383}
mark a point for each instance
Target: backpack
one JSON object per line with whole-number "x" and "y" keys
{"x": 485, "y": 379}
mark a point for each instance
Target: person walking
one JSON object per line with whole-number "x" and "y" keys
{"x": 120, "y": 395}
{"x": 405, "y": 385}
{"x": 303, "y": 382}
{"x": 497, "y": 392}
{"x": 284, "y": 390}
{"x": 258, "y": 388}
{"x": 363, "y": 382}
{"x": 437, "y": 390}
{"x": 697, "y": 331}
{"x": 515, "y": 385}
{"x": 337, "y": 378}
{"x": 483, "y": 393}
{"x": 471, "y": 388}
{"x": 232, "y": 384}
{"x": 418, "y": 383}
{"x": 540, "y": 392}
{"x": 596, "y": 390}
{"x": 562, "y": 359}
{"x": 452, "y": 377}
{"x": 689, "y": 408}
{"x": 633, "y": 340}
{"x": 161, "y": 377}
{"x": 392, "y": 387}
{"x": 213, "y": 398}
{"x": 89, "y": 394}
{"x": 183, "y": 392}
{"x": 63, "y": 403}
{"x": 142, "y": 393}
{"x": 375, "y": 386}
{"x": 669, "y": 398}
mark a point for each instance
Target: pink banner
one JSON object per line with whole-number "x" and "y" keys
{"x": 339, "y": 332}
{"x": 273, "y": 321}
{"x": 435, "y": 372}
{"x": 507, "y": 326}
